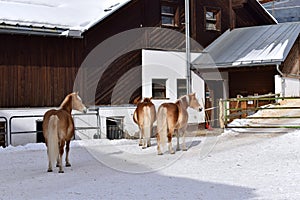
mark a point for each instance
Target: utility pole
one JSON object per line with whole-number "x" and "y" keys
{"x": 187, "y": 47}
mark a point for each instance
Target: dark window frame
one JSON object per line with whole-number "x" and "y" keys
{"x": 212, "y": 19}
{"x": 159, "y": 86}
{"x": 173, "y": 15}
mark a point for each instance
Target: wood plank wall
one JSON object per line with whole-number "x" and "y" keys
{"x": 37, "y": 71}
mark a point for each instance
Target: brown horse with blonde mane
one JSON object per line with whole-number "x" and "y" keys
{"x": 58, "y": 129}
{"x": 144, "y": 116}
{"x": 174, "y": 117}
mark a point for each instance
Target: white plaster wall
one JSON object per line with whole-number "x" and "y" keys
{"x": 288, "y": 87}
{"x": 171, "y": 66}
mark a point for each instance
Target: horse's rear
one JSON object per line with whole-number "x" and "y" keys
{"x": 144, "y": 116}
{"x": 167, "y": 118}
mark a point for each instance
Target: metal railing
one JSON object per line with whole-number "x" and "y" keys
{"x": 5, "y": 132}
{"x": 242, "y": 112}
{"x": 11, "y": 120}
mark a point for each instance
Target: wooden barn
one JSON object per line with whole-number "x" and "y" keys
{"x": 44, "y": 43}
{"x": 252, "y": 61}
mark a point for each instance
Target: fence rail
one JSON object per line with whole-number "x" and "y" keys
{"x": 10, "y": 122}
{"x": 5, "y": 132}
{"x": 240, "y": 108}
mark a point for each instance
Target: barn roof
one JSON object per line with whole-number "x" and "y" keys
{"x": 65, "y": 17}
{"x": 259, "y": 45}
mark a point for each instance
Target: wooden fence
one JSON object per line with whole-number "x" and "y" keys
{"x": 244, "y": 108}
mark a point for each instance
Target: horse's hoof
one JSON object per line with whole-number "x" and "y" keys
{"x": 144, "y": 147}
{"x": 49, "y": 170}
{"x": 159, "y": 153}
{"x": 184, "y": 149}
{"x": 61, "y": 171}
{"x": 177, "y": 149}
{"x": 140, "y": 144}
{"x": 68, "y": 165}
{"x": 57, "y": 165}
{"x": 172, "y": 152}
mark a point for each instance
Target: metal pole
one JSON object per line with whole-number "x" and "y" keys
{"x": 187, "y": 46}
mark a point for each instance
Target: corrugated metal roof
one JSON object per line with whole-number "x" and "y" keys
{"x": 259, "y": 45}
{"x": 75, "y": 15}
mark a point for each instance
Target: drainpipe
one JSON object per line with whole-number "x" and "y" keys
{"x": 278, "y": 70}
{"x": 187, "y": 46}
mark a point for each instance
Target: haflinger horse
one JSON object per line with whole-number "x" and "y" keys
{"x": 173, "y": 117}
{"x": 144, "y": 116}
{"x": 58, "y": 129}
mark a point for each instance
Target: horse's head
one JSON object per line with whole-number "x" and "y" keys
{"x": 193, "y": 102}
{"x": 77, "y": 103}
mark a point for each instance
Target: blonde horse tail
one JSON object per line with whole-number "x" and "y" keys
{"x": 53, "y": 148}
{"x": 147, "y": 125}
{"x": 135, "y": 118}
{"x": 162, "y": 125}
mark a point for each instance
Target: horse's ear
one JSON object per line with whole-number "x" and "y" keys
{"x": 193, "y": 94}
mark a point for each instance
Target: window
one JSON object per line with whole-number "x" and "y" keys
{"x": 181, "y": 88}
{"x": 213, "y": 19}
{"x": 159, "y": 88}
{"x": 167, "y": 16}
{"x": 169, "y": 13}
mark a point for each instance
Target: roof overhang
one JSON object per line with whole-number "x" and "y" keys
{"x": 54, "y": 18}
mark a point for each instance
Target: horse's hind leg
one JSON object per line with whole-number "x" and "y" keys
{"x": 140, "y": 138}
{"x": 49, "y": 163}
{"x": 158, "y": 144}
{"x": 170, "y": 133}
{"x": 67, "y": 154}
{"x": 61, "y": 152}
{"x": 183, "y": 141}
{"x": 177, "y": 135}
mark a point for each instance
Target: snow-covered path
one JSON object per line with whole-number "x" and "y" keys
{"x": 259, "y": 166}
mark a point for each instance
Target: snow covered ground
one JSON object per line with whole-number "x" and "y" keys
{"x": 229, "y": 166}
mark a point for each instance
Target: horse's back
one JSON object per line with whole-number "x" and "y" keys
{"x": 171, "y": 109}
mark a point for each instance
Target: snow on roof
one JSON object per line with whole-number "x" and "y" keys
{"x": 259, "y": 45}
{"x": 73, "y": 15}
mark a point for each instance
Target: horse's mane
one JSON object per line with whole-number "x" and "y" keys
{"x": 184, "y": 100}
{"x": 66, "y": 104}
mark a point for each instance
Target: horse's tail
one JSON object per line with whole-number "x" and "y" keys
{"x": 135, "y": 117}
{"x": 162, "y": 125}
{"x": 147, "y": 122}
{"x": 53, "y": 149}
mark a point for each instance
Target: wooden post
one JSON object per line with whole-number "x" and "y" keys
{"x": 221, "y": 114}
{"x": 244, "y": 108}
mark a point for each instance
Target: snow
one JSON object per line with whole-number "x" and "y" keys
{"x": 233, "y": 165}
{"x": 228, "y": 166}
{"x": 74, "y": 15}
{"x": 270, "y": 52}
